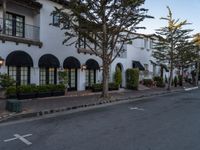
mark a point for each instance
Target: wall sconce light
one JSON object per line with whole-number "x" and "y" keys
{"x": 83, "y": 67}
{"x": 1, "y": 61}
{"x": 61, "y": 69}
{"x": 101, "y": 68}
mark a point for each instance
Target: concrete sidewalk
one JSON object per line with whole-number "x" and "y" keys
{"x": 35, "y": 107}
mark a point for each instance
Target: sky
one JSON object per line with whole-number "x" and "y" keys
{"x": 182, "y": 9}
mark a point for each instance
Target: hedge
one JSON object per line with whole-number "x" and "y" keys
{"x": 132, "y": 79}
{"x": 13, "y": 91}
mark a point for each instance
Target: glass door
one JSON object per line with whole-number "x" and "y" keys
{"x": 90, "y": 78}
{"x": 72, "y": 79}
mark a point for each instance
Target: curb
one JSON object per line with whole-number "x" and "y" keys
{"x": 15, "y": 116}
{"x": 192, "y": 88}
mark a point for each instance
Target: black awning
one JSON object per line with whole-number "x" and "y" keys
{"x": 137, "y": 64}
{"x": 164, "y": 67}
{"x": 49, "y": 61}
{"x": 154, "y": 63}
{"x": 92, "y": 64}
{"x": 71, "y": 62}
{"x": 19, "y": 58}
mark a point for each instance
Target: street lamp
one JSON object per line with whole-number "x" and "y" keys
{"x": 1, "y": 61}
{"x": 83, "y": 67}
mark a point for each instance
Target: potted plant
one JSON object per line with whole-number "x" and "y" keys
{"x": 11, "y": 92}
{"x": 43, "y": 91}
{"x": 26, "y": 92}
{"x": 63, "y": 78}
{"x": 5, "y": 82}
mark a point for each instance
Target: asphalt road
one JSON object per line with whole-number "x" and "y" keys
{"x": 169, "y": 122}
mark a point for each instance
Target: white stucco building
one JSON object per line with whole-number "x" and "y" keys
{"x": 34, "y": 53}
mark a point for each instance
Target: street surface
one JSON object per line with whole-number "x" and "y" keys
{"x": 170, "y": 122}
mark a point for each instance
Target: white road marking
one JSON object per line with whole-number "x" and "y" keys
{"x": 21, "y": 138}
{"x": 136, "y": 108}
{"x": 193, "y": 88}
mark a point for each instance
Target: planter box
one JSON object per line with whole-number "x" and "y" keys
{"x": 58, "y": 93}
{"x": 2, "y": 94}
{"x": 44, "y": 94}
{"x": 14, "y": 106}
{"x": 12, "y": 96}
{"x": 21, "y": 96}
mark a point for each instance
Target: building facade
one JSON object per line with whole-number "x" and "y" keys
{"x": 33, "y": 50}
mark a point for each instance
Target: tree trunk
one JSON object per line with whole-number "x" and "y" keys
{"x": 105, "y": 93}
{"x": 105, "y": 58}
{"x": 170, "y": 78}
{"x": 171, "y": 65}
{"x": 197, "y": 74}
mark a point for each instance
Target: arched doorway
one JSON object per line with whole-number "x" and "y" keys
{"x": 19, "y": 64}
{"x": 71, "y": 65}
{"x": 91, "y": 68}
{"x": 48, "y": 64}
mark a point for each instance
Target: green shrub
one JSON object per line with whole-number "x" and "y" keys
{"x": 98, "y": 87}
{"x": 180, "y": 80}
{"x": 113, "y": 86}
{"x": 11, "y": 92}
{"x": 50, "y": 88}
{"x": 148, "y": 82}
{"x": 118, "y": 77}
{"x": 159, "y": 81}
{"x": 43, "y": 88}
{"x": 59, "y": 87}
{"x": 23, "y": 89}
{"x": 172, "y": 84}
{"x": 6, "y": 81}
{"x": 63, "y": 79}
{"x": 175, "y": 81}
{"x": 132, "y": 79}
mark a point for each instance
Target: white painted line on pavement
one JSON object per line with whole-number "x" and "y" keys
{"x": 21, "y": 138}
{"x": 193, "y": 88}
{"x": 136, "y": 108}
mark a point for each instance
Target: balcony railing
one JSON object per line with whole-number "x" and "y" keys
{"x": 19, "y": 30}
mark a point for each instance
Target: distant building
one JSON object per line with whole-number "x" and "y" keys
{"x": 34, "y": 53}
